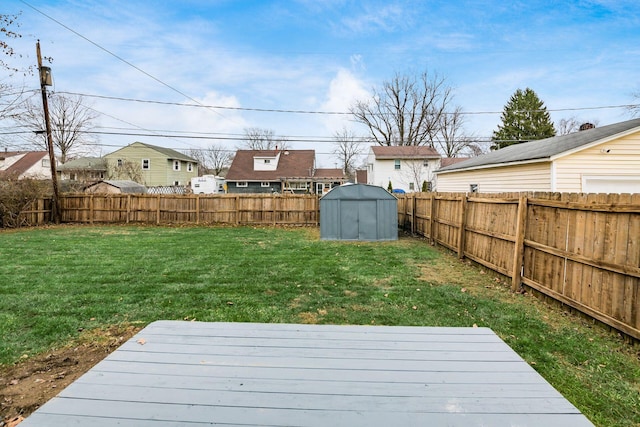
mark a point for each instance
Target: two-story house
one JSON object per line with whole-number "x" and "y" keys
{"x": 405, "y": 167}
{"x": 280, "y": 171}
{"x": 159, "y": 166}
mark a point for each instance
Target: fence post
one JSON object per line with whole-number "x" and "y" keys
{"x": 432, "y": 220}
{"x": 158, "y": 211}
{"x": 237, "y": 208}
{"x": 463, "y": 226}
{"x": 518, "y": 251}
{"x": 413, "y": 213}
{"x": 128, "y": 207}
{"x": 198, "y": 209}
{"x": 91, "y": 209}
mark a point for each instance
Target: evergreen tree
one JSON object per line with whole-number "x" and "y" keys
{"x": 525, "y": 118}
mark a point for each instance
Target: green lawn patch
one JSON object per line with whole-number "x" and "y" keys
{"x": 57, "y": 282}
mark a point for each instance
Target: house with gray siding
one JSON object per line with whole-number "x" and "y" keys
{"x": 280, "y": 171}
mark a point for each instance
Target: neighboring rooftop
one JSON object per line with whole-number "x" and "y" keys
{"x": 404, "y": 152}
{"x": 85, "y": 163}
{"x": 291, "y": 164}
{"x": 545, "y": 149}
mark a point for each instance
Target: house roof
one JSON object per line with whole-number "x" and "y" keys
{"x": 448, "y": 161}
{"x": 546, "y": 149}
{"x": 124, "y": 185}
{"x": 329, "y": 174}
{"x": 292, "y": 164}
{"x": 404, "y": 152}
{"x": 26, "y": 162}
{"x": 85, "y": 163}
{"x": 167, "y": 152}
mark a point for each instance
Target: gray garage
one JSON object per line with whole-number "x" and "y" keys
{"x": 358, "y": 212}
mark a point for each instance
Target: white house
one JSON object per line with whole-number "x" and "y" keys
{"x": 25, "y": 164}
{"x": 595, "y": 160}
{"x": 406, "y": 167}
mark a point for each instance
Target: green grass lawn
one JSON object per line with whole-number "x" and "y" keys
{"x": 57, "y": 282}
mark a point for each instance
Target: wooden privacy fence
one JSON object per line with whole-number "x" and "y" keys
{"x": 30, "y": 213}
{"x": 255, "y": 209}
{"x": 582, "y": 250}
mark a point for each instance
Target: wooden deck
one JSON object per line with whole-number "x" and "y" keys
{"x": 245, "y": 374}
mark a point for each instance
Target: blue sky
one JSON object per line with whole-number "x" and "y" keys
{"x": 318, "y": 55}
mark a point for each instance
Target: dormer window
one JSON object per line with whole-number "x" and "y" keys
{"x": 266, "y": 163}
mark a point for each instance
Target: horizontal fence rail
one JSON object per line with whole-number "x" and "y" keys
{"x": 254, "y": 209}
{"x": 582, "y": 250}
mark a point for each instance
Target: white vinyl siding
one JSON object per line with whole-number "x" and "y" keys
{"x": 615, "y": 159}
{"x": 381, "y": 171}
{"x": 528, "y": 177}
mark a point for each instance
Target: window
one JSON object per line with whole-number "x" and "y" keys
{"x": 473, "y": 188}
{"x": 267, "y": 161}
{"x": 189, "y": 167}
{"x": 46, "y": 163}
{"x": 411, "y": 186}
{"x": 146, "y": 164}
{"x": 297, "y": 185}
{"x": 176, "y": 182}
{"x": 425, "y": 163}
{"x": 265, "y": 184}
{"x": 397, "y": 164}
{"x": 176, "y": 165}
{"x": 242, "y": 184}
{"x": 119, "y": 163}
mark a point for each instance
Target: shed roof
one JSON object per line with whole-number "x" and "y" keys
{"x": 404, "y": 152}
{"x": 292, "y": 164}
{"x": 546, "y": 149}
{"x": 358, "y": 192}
{"x": 125, "y": 186}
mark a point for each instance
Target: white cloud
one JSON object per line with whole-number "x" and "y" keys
{"x": 344, "y": 90}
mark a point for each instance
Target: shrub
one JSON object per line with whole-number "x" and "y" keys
{"x": 18, "y": 196}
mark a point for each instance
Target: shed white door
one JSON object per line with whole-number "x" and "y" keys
{"x": 611, "y": 184}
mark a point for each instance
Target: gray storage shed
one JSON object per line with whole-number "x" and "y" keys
{"x": 358, "y": 212}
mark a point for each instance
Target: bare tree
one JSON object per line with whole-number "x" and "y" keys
{"x": 71, "y": 124}
{"x": 406, "y": 111}
{"x": 213, "y": 159}
{"x": 10, "y": 100}
{"x": 263, "y": 139}
{"x": 10, "y": 97}
{"x": 568, "y": 125}
{"x": 125, "y": 169}
{"x": 451, "y": 140}
{"x": 634, "y": 109}
{"x": 348, "y": 148}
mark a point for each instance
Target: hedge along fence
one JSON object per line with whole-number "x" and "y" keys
{"x": 254, "y": 209}
{"x": 28, "y": 213}
{"x": 582, "y": 250}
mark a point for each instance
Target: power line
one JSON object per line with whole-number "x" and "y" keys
{"x": 121, "y": 59}
{"x": 281, "y": 110}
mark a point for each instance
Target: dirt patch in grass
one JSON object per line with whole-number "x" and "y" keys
{"x": 27, "y": 385}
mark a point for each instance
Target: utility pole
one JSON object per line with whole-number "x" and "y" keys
{"x": 45, "y": 80}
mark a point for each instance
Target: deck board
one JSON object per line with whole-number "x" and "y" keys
{"x": 194, "y": 373}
